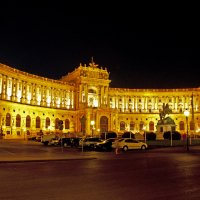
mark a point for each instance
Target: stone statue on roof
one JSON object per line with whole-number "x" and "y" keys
{"x": 92, "y": 64}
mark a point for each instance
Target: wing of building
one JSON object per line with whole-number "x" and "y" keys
{"x": 83, "y": 103}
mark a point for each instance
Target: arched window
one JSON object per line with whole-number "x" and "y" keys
{"x": 28, "y": 121}
{"x": 181, "y": 126}
{"x": 91, "y": 91}
{"x": 66, "y": 124}
{"x": 8, "y": 119}
{"x": 47, "y": 122}
{"x": 37, "y": 122}
{"x": 151, "y": 126}
{"x": 18, "y": 120}
{"x": 141, "y": 126}
{"x": 103, "y": 124}
{"x": 132, "y": 126}
{"x": 122, "y": 126}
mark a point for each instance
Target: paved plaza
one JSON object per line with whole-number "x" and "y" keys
{"x": 25, "y": 150}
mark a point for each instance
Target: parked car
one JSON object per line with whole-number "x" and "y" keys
{"x": 54, "y": 141}
{"x": 113, "y": 139}
{"x": 109, "y": 134}
{"x": 75, "y": 142}
{"x": 45, "y": 139}
{"x": 38, "y": 138}
{"x": 65, "y": 142}
{"x": 129, "y": 143}
{"x": 89, "y": 142}
{"x": 105, "y": 145}
{"x": 70, "y": 142}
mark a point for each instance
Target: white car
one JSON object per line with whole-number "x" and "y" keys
{"x": 129, "y": 143}
{"x": 54, "y": 141}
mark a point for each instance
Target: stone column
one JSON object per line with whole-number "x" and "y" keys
{"x": 80, "y": 94}
{"x": 4, "y": 87}
{"x": 9, "y": 88}
{"x": 117, "y": 102}
{"x": 102, "y": 95}
{"x": 19, "y": 90}
{"x": 14, "y": 85}
{"x": 136, "y": 103}
{"x": 33, "y": 94}
{"x": 72, "y": 100}
{"x": 1, "y": 84}
{"x": 52, "y": 97}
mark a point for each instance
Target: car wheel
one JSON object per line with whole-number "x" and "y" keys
{"x": 125, "y": 148}
{"x": 104, "y": 148}
{"x": 143, "y": 147}
{"x": 46, "y": 143}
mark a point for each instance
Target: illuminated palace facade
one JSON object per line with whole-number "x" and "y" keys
{"x": 86, "y": 105}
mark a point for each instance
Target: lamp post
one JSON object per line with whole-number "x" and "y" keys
{"x": 187, "y": 113}
{"x": 171, "y": 136}
{"x": 99, "y": 132}
{"x": 92, "y": 124}
{"x": 145, "y": 138}
{"x": 49, "y": 128}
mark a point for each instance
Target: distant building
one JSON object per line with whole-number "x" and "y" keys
{"x": 86, "y": 104}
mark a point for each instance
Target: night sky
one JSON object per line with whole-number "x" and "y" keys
{"x": 49, "y": 43}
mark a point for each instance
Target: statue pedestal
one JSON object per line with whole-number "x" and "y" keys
{"x": 161, "y": 129}
{"x": 164, "y": 126}
{"x": 159, "y": 136}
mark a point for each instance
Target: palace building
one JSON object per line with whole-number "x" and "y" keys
{"x": 82, "y": 103}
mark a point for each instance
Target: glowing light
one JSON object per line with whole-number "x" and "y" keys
{"x": 92, "y": 122}
{"x": 48, "y": 99}
{"x": 28, "y": 96}
{"x": 186, "y": 113}
{"x": 19, "y": 94}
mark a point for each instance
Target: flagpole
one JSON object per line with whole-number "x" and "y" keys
{"x": 192, "y": 103}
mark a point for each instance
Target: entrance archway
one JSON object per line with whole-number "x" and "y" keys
{"x": 103, "y": 124}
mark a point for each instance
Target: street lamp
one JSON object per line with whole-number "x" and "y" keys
{"x": 49, "y": 129}
{"x": 92, "y": 124}
{"x": 145, "y": 137}
{"x": 187, "y": 113}
{"x": 99, "y": 132}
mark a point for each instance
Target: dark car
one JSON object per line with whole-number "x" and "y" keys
{"x": 105, "y": 145}
{"x": 65, "y": 142}
{"x": 90, "y": 142}
{"x": 109, "y": 134}
{"x": 75, "y": 142}
{"x": 70, "y": 142}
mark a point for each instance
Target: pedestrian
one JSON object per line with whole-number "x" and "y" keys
{"x": 117, "y": 147}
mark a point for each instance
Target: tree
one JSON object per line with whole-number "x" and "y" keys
{"x": 150, "y": 136}
{"x": 175, "y": 135}
{"x": 128, "y": 135}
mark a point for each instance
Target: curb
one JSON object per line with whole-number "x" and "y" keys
{"x": 45, "y": 160}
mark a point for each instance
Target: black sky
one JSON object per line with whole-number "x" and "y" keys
{"x": 50, "y": 43}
